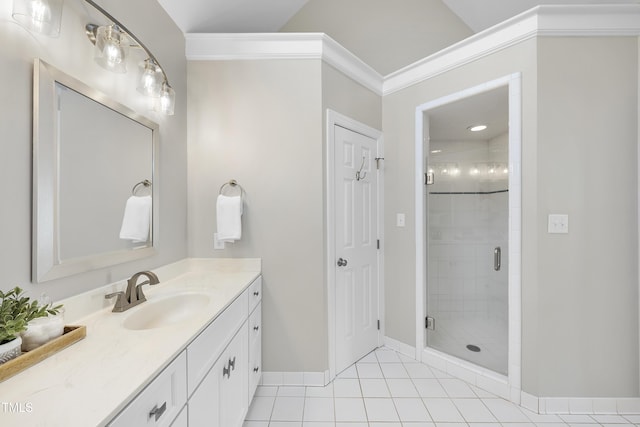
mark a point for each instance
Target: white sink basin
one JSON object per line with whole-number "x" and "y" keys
{"x": 166, "y": 310}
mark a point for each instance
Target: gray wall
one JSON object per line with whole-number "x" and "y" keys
{"x": 387, "y": 35}
{"x": 580, "y": 302}
{"x": 259, "y": 122}
{"x": 73, "y": 54}
{"x": 588, "y": 168}
{"x": 262, "y": 123}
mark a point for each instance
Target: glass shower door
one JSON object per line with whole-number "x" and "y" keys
{"x": 467, "y": 252}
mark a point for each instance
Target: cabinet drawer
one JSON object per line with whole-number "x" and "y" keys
{"x": 205, "y": 349}
{"x": 162, "y": 400}
{"x": 255, "y": 326}
{"x": 255, "y": 293}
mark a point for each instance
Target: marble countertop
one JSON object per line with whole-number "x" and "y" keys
{"x": 90, "y": 382}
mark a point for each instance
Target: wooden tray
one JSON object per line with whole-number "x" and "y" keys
{"x": 70, "y": 335}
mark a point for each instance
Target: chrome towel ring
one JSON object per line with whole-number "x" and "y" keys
{"x": 146, "y": 183}
{"x": 231, "y": 185}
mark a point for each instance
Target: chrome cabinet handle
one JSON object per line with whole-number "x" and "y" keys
{"x": 256, "y": 369}
{"x": 342, "y": 262}
{"x": 157, "y": 412}
{"x": 497, "y": 258}
{"x": 255, "y": 328}
{"x": 226, "y": 371}
{"x": 256, "y": 293}
{"x": 232, "y": 363}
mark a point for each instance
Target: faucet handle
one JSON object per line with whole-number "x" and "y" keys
{"x": 121, "y": 302}
{"x": 114, "y": 294}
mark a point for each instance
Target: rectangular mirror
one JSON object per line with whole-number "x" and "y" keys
{"x": 93, "y": 175}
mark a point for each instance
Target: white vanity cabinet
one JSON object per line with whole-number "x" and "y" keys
{"x": 216, "y": 376}
{"x": 220, "y": 396}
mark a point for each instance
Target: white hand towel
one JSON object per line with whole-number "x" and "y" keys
{"x": 228, "y": 215}
{"x": 137, "y": 219}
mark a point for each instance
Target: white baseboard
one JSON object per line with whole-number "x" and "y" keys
{"x": 530, "y": 402}
{"x": 588, "y": 405}
{"x": 400, "y": 347}
{"x": 307, "y": 379}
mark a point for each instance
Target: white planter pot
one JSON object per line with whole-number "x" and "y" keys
{"x": 10, "y": 350}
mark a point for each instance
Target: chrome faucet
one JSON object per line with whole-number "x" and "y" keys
{"x": 133, "y": 295}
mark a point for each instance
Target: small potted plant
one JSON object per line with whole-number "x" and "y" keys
{"x": 16, "y": 311}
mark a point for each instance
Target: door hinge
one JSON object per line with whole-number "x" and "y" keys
{"x": 430, "y": 323}
{"x": 429, "y": 178}
{"x": 378, "y": 244}
{"x": 378, "y": 324}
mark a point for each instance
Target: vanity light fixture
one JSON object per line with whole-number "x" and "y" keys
{"x": 112, "y": 47}
{"x": 149, "y": 82}
{"x": 477, "y": 128}
{"x": 167, "y": 100}
{"x": 113, "y": 42}
{"x": 40, "y": 16}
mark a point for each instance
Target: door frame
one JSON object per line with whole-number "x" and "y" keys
{"x": 334, "y": 118}
{"x": 508, "y": 386}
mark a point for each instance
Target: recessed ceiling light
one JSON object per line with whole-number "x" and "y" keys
{"x": 477, "y": 128}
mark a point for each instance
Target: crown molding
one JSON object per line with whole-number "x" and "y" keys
{"x": 225, "y": 47}
{"x": 541, "y": 21}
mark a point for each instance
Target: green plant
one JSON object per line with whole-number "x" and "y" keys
{"x": 17, "y": 310}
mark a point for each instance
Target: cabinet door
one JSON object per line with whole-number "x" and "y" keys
{"x": 182, "y": 419}
{"x": 234, "y": 387}
{"x": 204, "y": 404}
{"x": 221, "y": 398}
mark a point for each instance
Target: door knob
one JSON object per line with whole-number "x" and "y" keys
{"x": 342, "y": 262}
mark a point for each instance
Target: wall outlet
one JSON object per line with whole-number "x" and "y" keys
{"x": 558, "y": 224}
{"x": 400, "y": 219}
{"x": 217, "y": 244}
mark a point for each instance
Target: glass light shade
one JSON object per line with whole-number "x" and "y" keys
{"x": 112, "y": 47}
{"x": 149, "y": 82}
{"x": 167, "y": 100}
{"x": 41, "y": 16}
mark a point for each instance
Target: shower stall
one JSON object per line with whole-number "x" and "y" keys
{"x": 467, "y": 230}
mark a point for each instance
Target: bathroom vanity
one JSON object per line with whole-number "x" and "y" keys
{"x": 188, "y": 356}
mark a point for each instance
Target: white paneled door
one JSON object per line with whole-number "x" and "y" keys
{"x": 356, "y": 246}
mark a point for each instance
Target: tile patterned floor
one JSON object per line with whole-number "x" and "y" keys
{"x": 387, "y": 389}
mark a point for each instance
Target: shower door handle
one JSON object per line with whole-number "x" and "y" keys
{"x": 497, "y": 258}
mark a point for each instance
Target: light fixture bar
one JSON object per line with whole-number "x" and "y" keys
{"x": 92, "y": 28}
{"x": 129, "y": 33}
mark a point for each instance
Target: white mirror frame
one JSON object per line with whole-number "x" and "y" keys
{"x": 46, "y": 262}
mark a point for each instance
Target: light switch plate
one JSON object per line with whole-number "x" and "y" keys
{"x": 558, "y": 224}
{"x": 400, "y": 219}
